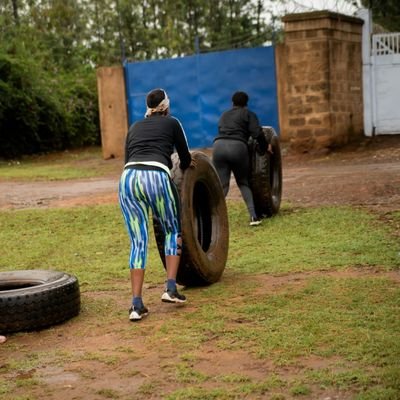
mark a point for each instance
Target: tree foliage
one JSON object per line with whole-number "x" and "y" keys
{"x": 49, "y": 50}
{"x": 385, "y": 13}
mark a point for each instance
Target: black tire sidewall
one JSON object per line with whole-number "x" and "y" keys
{"x": 209, "y": 264}
{"x": 51, "y": 298}
{"x": 266, "y": 176}
{"x": 199, "y": 266}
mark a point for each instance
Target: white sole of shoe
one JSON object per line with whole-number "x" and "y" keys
{"x": 134, "y": 316}
{"x": 167, "y": 299}
{"x": 255, "y": 223}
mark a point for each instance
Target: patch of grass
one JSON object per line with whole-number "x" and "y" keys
{"x": 108, "y": 393}
{"x": 262, "y": 387}
{"x": 351, "y": 318}
{"x": 326, "y": 317}
{"x": 195, "y": 393}
{"x": 188, "y": 357}
{"x": 207, "y": 322}
{"x": 395, "y": 215}
{"x": 89, "y": 242}
{"x": 28, "y": 363}
{"x": 234, "y": 378}
{"x": 22, "y": 382}
{"x": 59, "y": 166}
{"x": 378, "y": 393}
{"x": 341, "y": 379}
{"x": 95, "y": 310}
{"x": 100, "y": 357}
{"x": 277, "y": 396}
{"x": 148, "y": 388}
{"x": 185, "y": 373}
{"x": 310, "y": 239}
{"x": 23, "y": 397}
{"x": 300, "y": 390}
{"x": 125, "y": 349}
{"x": 4, "y": 386}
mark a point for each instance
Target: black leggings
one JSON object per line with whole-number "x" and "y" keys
{"x": 232, "y": 156}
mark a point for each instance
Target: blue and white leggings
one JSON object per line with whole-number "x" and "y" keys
{"x": 139, "y": 191}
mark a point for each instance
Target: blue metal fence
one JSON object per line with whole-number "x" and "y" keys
{"x": 200, "y": 88}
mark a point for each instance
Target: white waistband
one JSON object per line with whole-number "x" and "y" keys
{"x": 152, "y": 163}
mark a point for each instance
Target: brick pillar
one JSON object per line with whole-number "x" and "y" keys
{"x": 319, "y": 69}
{"x": 113, "y": 112}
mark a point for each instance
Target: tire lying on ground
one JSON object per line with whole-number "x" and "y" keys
{"x": 205, "y": 230}
{"x": 266, "y": 175}
{"x": 36, "y": 299}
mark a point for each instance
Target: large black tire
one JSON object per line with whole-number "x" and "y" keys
{"x": 205, "y": 229}
{"x": 35, "y": 299}
{"x": 266, "y": 175}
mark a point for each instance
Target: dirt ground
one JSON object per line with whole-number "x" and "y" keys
{"x": 366, "y": 174}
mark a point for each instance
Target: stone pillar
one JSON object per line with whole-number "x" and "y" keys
{"x": 112, "y": 110}
{"x": 319, "y": 69}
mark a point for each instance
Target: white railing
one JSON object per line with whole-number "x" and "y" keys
{"x": 385, "y": 43}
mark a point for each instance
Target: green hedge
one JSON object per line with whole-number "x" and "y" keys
{"x": 43, "y": 112}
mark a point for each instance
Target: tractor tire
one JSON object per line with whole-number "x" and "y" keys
{"x": 36, "y": 299}
{"x": 266, "y": 175}
{"x": 204, "y": 217}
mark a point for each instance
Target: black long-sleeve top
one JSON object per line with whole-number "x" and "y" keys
{"x": 240, "y": 123}
{"x": 154, "y": 139}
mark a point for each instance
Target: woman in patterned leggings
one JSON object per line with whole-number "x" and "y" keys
{"x": 146, "y": 185}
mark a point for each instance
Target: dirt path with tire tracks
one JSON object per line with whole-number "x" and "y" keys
{"x": 366, "y": 174}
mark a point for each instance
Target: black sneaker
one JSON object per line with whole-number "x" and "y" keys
{"x": 172, "y": 296}
{"x": 254, "y": 221}
{"x": 136, "y": 314}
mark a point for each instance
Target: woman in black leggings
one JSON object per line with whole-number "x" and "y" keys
{"x": 230, "y": 149}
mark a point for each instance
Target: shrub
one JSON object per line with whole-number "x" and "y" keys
{"x": 40, "y": 112}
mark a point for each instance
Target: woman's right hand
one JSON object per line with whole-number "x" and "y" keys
{"x": 193, "y": 163}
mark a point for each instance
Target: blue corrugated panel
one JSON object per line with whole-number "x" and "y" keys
{"x": 200, "y": 88}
